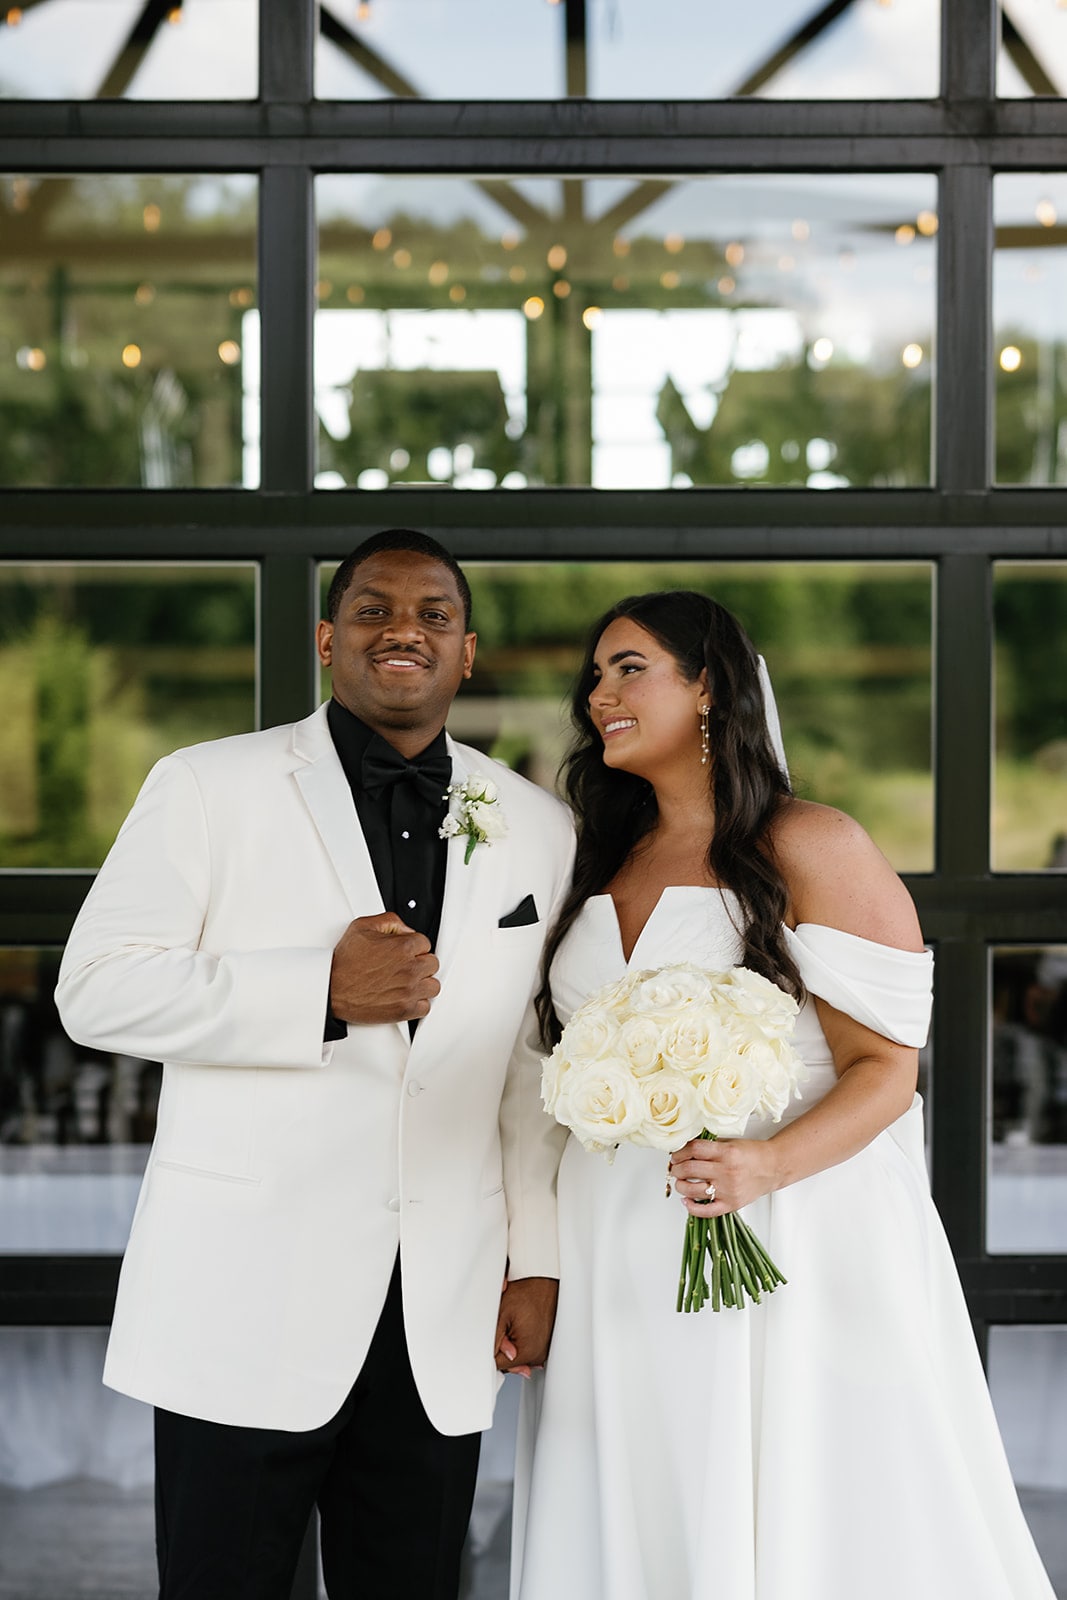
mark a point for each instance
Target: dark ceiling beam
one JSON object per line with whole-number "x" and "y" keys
{"x": 1024, "y": 59}
{"x": 804, "y": 36}
{"x": 138, "y": 43}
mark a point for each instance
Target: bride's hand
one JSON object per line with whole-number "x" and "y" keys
{"x": 713, "y": 1176}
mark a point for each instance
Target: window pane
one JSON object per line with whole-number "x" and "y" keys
{"x": 1027, "y": 1190}
{"x": 75, "y": 1123}
{"x": 627, "y": 50}
{"x": 1029, "y": 817}
{"x": 848, "y": 648}
{"x": 123, "y": 305}
{"x": 1028, "y": 1379}
{"x": 106, "y": 49}
{"x": 103, "y": 669}
{"x": 1030, "y": 326}
{"x": 625, "y": 333}
{"x": 1033, "y": 52}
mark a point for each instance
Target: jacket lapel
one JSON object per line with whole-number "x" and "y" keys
{"x": 321, "y": 780}
{"x": 468, "y": 889}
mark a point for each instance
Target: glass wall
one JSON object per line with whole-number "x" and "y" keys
{"x": 626, "y": 50}
{"x": 123, "y": 307}
{"x": 1030, "y": 326}
{"x": 75, "y": 1123}
{"x": 103, "y": 669}
{"x": 1028, "y": 1379}
{"x": 125, "y": 49}
{"x": 625, "y": 333}
{"x": 1026, "y": 1191}
{"x": 1030, "y": 768}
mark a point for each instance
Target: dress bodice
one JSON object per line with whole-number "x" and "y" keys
{"x": 887, "y": 989}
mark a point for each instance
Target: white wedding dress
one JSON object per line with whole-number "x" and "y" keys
{"x": 836, "y": 1442}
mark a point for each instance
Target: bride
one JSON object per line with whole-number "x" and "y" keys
{"x": 837, "y": 1441}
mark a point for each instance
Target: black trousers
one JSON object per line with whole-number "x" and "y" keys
{"x": 394, "y": 1495}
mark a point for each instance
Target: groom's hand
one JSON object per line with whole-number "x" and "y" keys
{"x": 524, "y": 1325}
{"x": 382, "y": 971}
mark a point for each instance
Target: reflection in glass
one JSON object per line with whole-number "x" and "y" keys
{"x": 125, "y": 49}
{"x": 627, "y": 50}
{"x": 848, "y": 648}
{"x": 123, "y": 301}
{"x": 625, "y": 333}
{"x": 1030, "y": 809}
{"x": 1030, "y": 326}
{"x": 1028, "y": 1380}
{"x": 75, "y": 1123}
{"x": 103, "y": 669}
{"x": 1027, "y": 1189}
{"x": 1033, "y": 50}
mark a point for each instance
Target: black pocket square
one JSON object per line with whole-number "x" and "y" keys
{"x": 523, "y": 915}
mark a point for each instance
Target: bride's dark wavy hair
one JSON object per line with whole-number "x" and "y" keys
{"x": 614, "y": 810}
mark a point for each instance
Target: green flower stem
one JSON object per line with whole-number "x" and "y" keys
{"x": 740, "y": 1266}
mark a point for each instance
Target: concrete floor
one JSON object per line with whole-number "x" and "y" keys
{"x": 85, "y": 1539}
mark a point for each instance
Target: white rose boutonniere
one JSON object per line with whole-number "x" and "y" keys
{"x": 473, "y": 810}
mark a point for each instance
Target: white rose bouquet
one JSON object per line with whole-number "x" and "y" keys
{"x": 663, "y": 1057}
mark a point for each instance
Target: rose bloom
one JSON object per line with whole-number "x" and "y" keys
{"x": 673, "y": 1112}
{"x": 602, "y": 1105}
{"x": 479, "y": 788}
{"x": 589, "y": 1035}
{"x": 693, "y": 1039}
{"x": 779, "y": 1069}
{"x": 554, "y": 1069}
{"x": 728, "y": 1095}
{"x": 487, "y": 819}
{"x": 750, "y": 995}
{"x": 638, "y": 1042}
{"x": 670, "y": 990}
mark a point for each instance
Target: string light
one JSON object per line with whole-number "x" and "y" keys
{"x": 457, "y": 293}
{"x": 363, "y": 11}
{"x": 144, "y": 294}
{"x": 912, "y": 355}
{"x": 533, "y": 307}
{"x": 152, "y": 216}
{"x": 382, "y": 238}
{"x": 401, "y": 258}
{"x": 726, "y": 285}
{"x": 354, "y": 294}
{"x": 926, "y": 222}
{"x": 438, "y": 272}
{"x": 674, "y": 244}
{"x": 174, "y": 15}
{"x": 734, "y": 253}
{"x": 517, "y": 274}
{"x": 905, "y": 234}
{"x": 592, "y": 316}
{"x": 323, "y": 289}
{"x": 561, "y": 288}
{"x": 822, "y": 349}
{"x": 31, "y": 359}
{"x": 800, "y": 230}
{"x": 669, "y": 280}
{"x": 509, "y": 241}
{"x": 557, "y": 257}
{"x": 1046, "y": 213}
{"x": 14, "y": 16}
{"x": 621, "y": 246}
{"x": 131, "y": 355}
{"x": 229, "y": 352}
{"x": 1011, "y": 358}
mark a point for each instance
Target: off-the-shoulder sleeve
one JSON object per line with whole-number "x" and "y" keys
{"x": 886, "y": 989}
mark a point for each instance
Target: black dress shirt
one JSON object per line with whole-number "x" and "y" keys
{"x": 401, "y": 830}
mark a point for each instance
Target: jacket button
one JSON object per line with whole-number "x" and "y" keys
{"x": 414, "y": 1088}
{"x": 394, "y": 1204}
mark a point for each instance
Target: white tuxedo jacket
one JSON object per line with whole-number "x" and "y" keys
{"x": 286, "y": 1173}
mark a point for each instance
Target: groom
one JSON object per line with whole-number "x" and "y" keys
{"x": 351, "y": 1151}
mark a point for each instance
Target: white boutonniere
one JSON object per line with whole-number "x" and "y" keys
{"x": 474, "y": 810}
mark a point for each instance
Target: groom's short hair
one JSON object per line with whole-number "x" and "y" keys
{"x": 411, "y": 539}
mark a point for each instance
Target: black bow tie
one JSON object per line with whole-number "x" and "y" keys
{"x": 429, "y": 772}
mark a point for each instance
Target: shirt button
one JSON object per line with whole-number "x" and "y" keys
{"x": 414, "y": 1088}
{"x": 405, "y": 834}
{"x": 411, "y": 905}
{"x": 394, "y": 1204}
